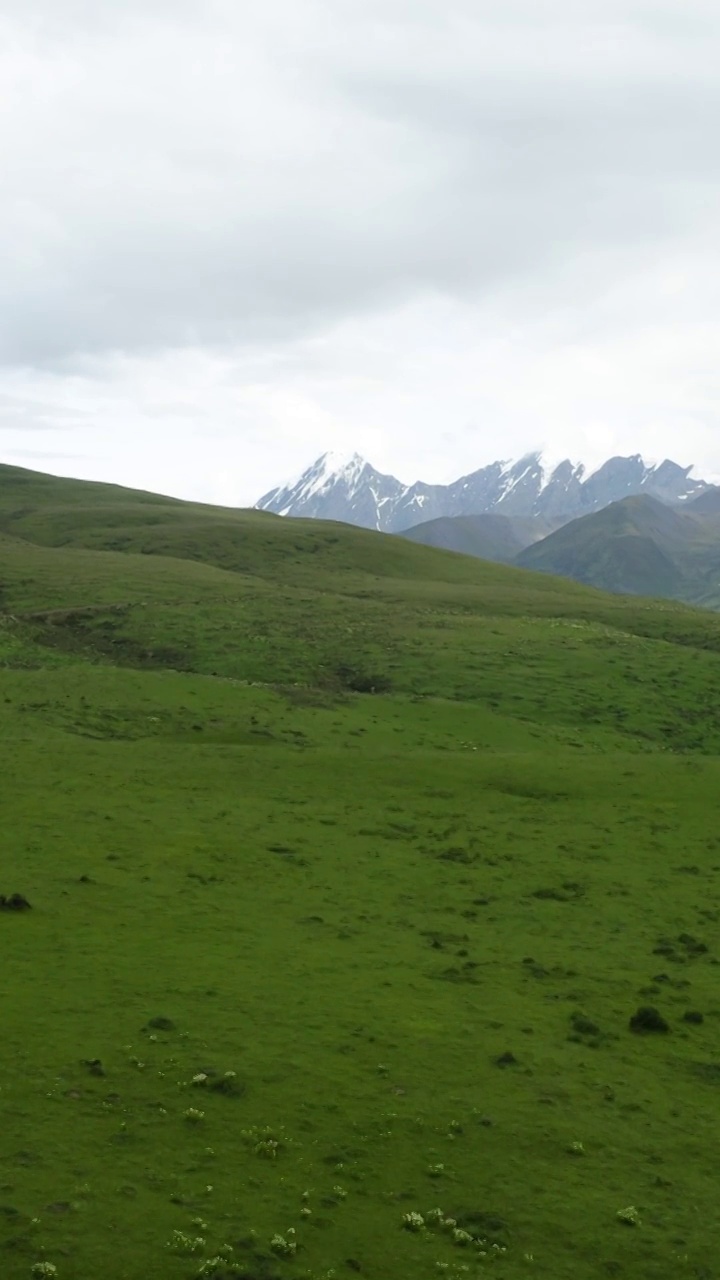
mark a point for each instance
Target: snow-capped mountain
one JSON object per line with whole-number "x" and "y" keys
{"x": 346, "y": 487}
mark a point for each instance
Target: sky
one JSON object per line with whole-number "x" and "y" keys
{"x": 437, "y": 232}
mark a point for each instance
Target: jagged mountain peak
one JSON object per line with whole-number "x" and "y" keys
{"x": 332, "y": 465}
{"x": 332, "y": 472}
{"x": 345, "y": 486}
{"x": 337, "y": 462}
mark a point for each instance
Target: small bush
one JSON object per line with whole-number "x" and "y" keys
{"x": 584, "y": 1026}
{"x": 16, "y": 902}
{"x": 648, "y": 1020}
{"x": 358, "y": 681}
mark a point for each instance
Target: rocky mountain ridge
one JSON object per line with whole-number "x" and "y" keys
{"x": 350, "y": 489}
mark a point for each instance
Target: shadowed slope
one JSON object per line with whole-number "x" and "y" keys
{"x": 489, "y": 537}
{"x": 637, "y": 546}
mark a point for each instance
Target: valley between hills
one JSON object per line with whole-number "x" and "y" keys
{"x": 359, "y": 905}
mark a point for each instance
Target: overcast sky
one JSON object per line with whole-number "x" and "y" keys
{"x": 439, "y": 232}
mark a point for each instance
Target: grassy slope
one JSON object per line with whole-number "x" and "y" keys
{"x": 357, "y": 903}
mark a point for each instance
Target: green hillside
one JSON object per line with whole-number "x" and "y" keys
{"x": 489, "y": 536}
{"x": 639, "y": 546}
{"x": 349, "y": 862}
{"x": 53, "y": 512}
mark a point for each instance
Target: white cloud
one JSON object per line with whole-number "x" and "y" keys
{"x": 232, "y": 237}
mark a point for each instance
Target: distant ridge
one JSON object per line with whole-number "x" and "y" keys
{"x": 489, "y": 536}
{"x": 639, "y": 546}
{"x": 347, "y": 487}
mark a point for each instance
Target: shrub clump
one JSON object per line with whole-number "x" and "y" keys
{"x": 16, "y": 902}
{"x": 357, "y": 680}
{"x": 584, "y": 1026}
{"x": 648, "y": 1020}
{"x": 227, "y": 1084}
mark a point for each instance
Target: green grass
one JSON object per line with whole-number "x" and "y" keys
{"x": 359, "y": 903}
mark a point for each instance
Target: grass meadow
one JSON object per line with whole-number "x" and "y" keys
{"x": 349, "y": 864}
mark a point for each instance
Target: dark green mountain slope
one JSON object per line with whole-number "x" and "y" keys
{"x": 489, "y": 536}
{"x": 706, "y": 504}
{"x": 638, "y": 546}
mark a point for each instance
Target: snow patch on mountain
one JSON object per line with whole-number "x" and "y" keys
{"x": 329, "y": 469}
{"x": 344, "y": 486}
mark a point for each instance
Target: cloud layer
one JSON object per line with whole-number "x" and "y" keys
{"x": 244, "y": 233}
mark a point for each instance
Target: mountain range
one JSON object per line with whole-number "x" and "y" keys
{"x": 348, "y": 488}
{"x": 627, "y": 527}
